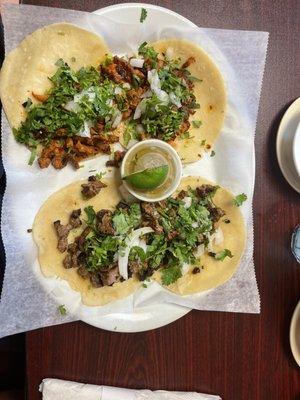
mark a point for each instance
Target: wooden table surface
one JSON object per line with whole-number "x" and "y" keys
{"x": 238, "y": 356}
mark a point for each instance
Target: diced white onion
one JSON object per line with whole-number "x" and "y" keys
{"x": 195, "y": 224}
{"x": 131, "y": 143}
{"x": 126, "y": 85}
{"x": 185, "y": 267}
{"x": 117, "y": 120}
{"x": 136, "y": 62}
{"x": 72, "y": 105}
{"x": 146, "y": 94}
{"x": 133, "y": 239}
{"x": 199, "y": 251}
{"x": 140, "y": 109}
{"x": 118, "y": 90}
{"x": 85, "y": 131}
{"x": 218, "y": 236}
{"x": 175, "y": 100}
{"x": 169, "y": 53}
{"x": 187, "y": 201}
{"x": 140, "y": 128}
{"x": 155, "y": 85}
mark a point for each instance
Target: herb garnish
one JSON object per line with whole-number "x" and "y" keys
{"x": 221, "y": 255}
{"x": 143, "y": 15}
{"x": 196, "y": 123}
{"x": 62, "y": 310}
{"x": 239, "y": 199}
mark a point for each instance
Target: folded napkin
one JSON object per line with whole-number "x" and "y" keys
{"x": 55, "y": 389}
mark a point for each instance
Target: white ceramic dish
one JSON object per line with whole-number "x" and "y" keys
{"x": 175, "y": 159}
{"x": 154, "y": 316}
{"x": 296, "y": 149}
{"x": 285, "y": 143}
{"x": 295, "y": 334}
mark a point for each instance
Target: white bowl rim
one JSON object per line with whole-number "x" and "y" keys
{"x": 296, "y": 144}
{"x": 294, "y": 348}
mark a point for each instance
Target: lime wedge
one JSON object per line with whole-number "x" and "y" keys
{"x": 149, "y": 178}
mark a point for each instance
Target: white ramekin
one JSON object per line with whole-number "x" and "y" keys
{"x": 177, "y": 162}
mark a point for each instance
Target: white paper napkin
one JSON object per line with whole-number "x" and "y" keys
{"x": 29, "y": 300}
{"x": 55, "y": 389}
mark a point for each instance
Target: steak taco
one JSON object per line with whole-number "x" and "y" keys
{"x": 106, "y": 248}
{"x": 67, "y": 99}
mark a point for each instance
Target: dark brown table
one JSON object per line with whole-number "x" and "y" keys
{"x": 238, "y": 356}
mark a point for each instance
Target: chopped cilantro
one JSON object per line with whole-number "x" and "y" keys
{"x": 101, "y": 251}
{"x": 100, "y": 175}
{"x": 221, "y": 255}
{"x": 32, "y": 156}
{"x": 137, "y": 253}
{"x": 213, "y": 153}
{"x": 148, "y": 53}
{"x": 144, "y": 285}
{"x": 73, "y": 59}
{"x": 62, "y": 309}
{"x": 170, "y": 275}
{"x": 125, "y": 220}
{"x": 203, "y": 142}
{"x": 196, "y": 123}
{"x": 143, "y": 15}
{"x": 239, "y": 199}
{"x": 91, "y": 215}
{"x": 130, "y": 132}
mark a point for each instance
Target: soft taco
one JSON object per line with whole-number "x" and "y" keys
{"x": 106, "y": 248}
{"x": 67, "y": 101}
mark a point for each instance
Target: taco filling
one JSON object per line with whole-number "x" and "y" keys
{"x": 79, "y": 115}
{"x": 139, "y": 238}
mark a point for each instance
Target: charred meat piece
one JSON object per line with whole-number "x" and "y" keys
{"x": 184, "y": 127}
{"x": 118, "y": 157}
{"x": 148, "y": 209}
{"x": 105, "y": 225}
{"x": 182, "y": 194}
{"x": 150, "y": 217}
{"x": 82, "y": 271}
{"x": 216, "y": 213}
{"x": 172, "y": 235}
{"x": 62, "y": 232}
{"x": 119, "y": 70}
{"x": 122, "y": 205}
{"x": 134, "y": 97}
{"x": 95, "y": 279}
{"x": 155, "y": 225}
{"x": 101, "y": 137}
{"x": 80, "y": 240}
{"x": 205, "y": 190}
{"x": 74, "y": 258}
{"x": 134, "y": 267}
{"x": 110, "y": 276}
{"x": 75, "y": 221}
{"x": 92, "y": 188}
{"x": 188, "y": 62}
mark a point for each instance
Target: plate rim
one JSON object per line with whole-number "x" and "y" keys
{"x": 295, "y": 316}
{"x": 279, "y": 146}
{"x": 182, "y": 311}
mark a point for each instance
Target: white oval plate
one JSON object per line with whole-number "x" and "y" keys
{"x": 295, "y": 334}
{"x": 284, "y": 144}
{"x": 154, "y": 316}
